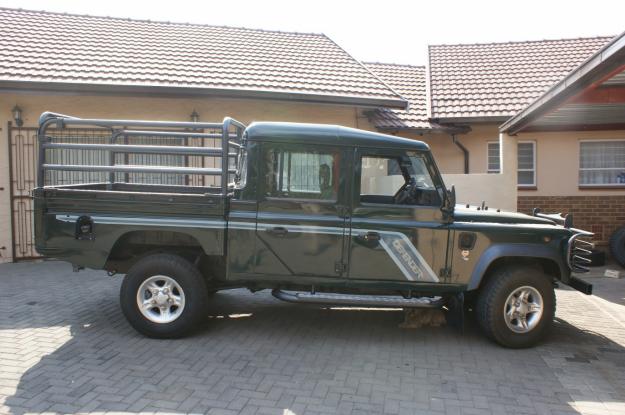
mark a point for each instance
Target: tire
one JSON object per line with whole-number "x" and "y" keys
{"x": 179, "y": 305}
{"x": 617, "y": 245}
{"x": 497, "y": 297}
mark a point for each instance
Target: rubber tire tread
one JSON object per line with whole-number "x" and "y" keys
{"x": 189, "y": 278}
{"x": 491, "y": 298}
{"x": 617, "y": 245}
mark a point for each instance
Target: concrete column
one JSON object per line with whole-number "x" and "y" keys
{"x": 6, "y": 255}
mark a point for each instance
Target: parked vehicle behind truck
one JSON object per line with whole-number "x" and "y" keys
{"x": 316, "y": 213}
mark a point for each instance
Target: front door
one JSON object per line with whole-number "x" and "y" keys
{"x": 301, "y": 211}
{"x": 397, "y": 231}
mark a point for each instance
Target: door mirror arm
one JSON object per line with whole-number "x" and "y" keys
{"x": 449, "y": 203}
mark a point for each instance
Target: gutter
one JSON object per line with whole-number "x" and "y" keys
{"x": 82, "y": 88}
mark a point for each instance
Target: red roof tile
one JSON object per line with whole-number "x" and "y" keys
{"x": 46, "y": 47}
{"x": 500, "y": 79}
{"x": 409, "y": 81}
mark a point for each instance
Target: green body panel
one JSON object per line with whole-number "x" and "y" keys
{"x": 266, "y": 241}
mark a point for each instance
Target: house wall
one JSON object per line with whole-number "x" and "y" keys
{"x": 210, "y": 109}
{"x": 557, "y": 176}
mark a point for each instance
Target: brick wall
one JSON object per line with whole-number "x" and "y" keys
{"x": 598, "y": 214}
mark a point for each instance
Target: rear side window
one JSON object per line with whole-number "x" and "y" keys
{"x": 308, "y": 174}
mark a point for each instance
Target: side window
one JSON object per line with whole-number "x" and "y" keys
{"x": 401, "y": 180}
{"x": 301, "y": 174}
{"x": 380, "y": 176}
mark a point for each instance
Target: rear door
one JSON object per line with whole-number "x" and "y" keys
{"x": 397, "y": 236}
{"x": 301, "y": 211}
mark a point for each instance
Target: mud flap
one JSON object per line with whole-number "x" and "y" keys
{"x": 455, "y": 312}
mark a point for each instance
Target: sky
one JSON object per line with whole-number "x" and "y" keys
{"x": 378, "y": 31}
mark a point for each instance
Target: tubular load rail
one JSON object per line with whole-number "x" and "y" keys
{"x": 117, "y": 141}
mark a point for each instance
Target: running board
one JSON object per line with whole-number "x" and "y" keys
{"x": 354, "y": 300}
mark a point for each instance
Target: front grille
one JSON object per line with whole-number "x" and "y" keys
{"x": 579, "y": 252}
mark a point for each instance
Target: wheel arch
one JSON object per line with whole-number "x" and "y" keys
{"x": 133, "y": 245}
{"x": 502, "y": 254}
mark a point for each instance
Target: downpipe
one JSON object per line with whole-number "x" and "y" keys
{"x": 464, "y": 150}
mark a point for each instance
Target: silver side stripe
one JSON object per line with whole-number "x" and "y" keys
{"x": 397, "y": 245}
{"x": 117, "y": 220}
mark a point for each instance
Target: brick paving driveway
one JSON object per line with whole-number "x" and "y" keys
{"x": 65, "y": 348}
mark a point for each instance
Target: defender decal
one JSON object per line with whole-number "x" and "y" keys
{"x": 407, "y": 257}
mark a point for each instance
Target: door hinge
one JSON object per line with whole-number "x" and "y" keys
{"x": 445, "y": 273}
{"x": 340, "y": 267}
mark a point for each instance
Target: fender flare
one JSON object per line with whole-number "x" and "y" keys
{"x": 497, "y": 251}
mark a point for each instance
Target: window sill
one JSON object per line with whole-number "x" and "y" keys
{"x": 527, "y": 188}
{"x": 602, "y": 187}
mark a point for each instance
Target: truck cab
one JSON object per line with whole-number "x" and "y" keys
{"x": 338, "y": 204}
{"x": 318, "y": 214}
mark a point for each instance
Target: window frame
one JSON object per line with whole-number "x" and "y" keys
{"x": 488, "y": 169}
{"x": 579, "y": 166}
{"x": 533, "y": 170}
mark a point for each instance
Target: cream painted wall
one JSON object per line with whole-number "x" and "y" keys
{"x": 557, "y": 162}
{"x": 498, "y": 190}
{"x": 176, "y": 109}
{"x": 450, "y": 158}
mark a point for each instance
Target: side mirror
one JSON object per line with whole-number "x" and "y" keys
{"x": 450, "y": 201}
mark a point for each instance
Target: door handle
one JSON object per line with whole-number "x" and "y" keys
{"x": 369, "y": 236}
{"x": 278, "y": 231}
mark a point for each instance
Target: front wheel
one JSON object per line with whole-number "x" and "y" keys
{"x": 163, "y": 296}
{"x": 517, "y": 305}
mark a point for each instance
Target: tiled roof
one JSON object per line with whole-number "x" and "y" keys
{"x": 500, "y": 79}
{"x": 56, "y": 48}
{"x": 409, "y": 81}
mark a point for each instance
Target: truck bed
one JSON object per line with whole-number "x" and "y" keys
{"x": 98, "y": 199}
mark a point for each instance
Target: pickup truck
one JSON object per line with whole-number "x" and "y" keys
{"x": 318, "y": 214}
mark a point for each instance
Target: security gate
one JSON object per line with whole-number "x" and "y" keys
{"x": 22, "y": 173}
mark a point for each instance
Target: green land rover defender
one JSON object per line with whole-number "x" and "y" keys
{"x": 316, "y": 213}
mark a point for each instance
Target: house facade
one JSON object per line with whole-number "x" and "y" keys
{"x": 119, "y": 68}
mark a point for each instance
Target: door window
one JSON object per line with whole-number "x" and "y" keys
{"x": 397, "y": 180}
{"x": 301, "y": 174}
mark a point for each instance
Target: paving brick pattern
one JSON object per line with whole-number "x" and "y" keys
{"x": 66, "y": 348}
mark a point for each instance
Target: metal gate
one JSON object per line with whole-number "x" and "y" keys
{"x": 22, "y": 174}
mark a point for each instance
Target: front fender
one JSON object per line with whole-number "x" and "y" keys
{"x": 497, "y": 251}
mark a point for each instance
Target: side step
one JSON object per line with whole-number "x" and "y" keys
{"x": 354, "y": 300}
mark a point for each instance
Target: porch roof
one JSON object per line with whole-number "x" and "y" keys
{"x": 591, "y": 97}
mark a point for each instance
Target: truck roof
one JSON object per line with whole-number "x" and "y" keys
{"x": 327, "y": 134}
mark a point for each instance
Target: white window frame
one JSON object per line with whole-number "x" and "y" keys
{"x": 488, "y": 169}
{"x": 533, "y": 184}
{"x": 579, "y": 165}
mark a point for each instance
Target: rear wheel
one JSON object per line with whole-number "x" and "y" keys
{"x": 164, "y": 296}
{"x": 516, "y": 306}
